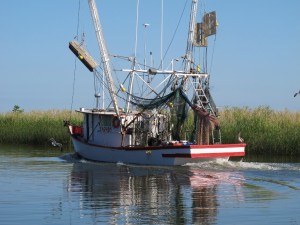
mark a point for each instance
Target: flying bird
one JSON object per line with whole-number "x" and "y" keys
{"x": 240, "y": 139}
{"x": 56, "y": 144}
{"x": 297, "y": 93}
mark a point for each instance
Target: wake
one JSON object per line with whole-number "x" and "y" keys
{"x": 223, "y": 164}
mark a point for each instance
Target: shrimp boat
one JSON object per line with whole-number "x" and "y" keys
{"x": 168, "y": 116}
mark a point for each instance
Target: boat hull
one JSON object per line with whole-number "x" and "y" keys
{"x": 157, "y": 155}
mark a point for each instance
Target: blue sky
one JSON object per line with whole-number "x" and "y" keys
{"x": 256, "y": 55}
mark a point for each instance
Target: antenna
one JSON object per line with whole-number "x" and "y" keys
{"x": 161, "y": 34}
{"x": 145, "y": 42}
{"x": 191, "y": 34}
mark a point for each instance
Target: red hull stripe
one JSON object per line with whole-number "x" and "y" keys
{"x": 153, "y": 148}
{"x": 218, "y": 146}
{"x": 204, "y": 155}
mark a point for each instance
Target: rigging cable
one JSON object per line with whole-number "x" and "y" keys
{"x": 212, "y": 56}
{"x": 75, "y": 63}
{"x": 123, "y": 98}
{"x": 136, "y": 28}
{"x": 176, "y": 29}
{"x": 161, "y": 33}
{"x": 174, "y": 34}
{"x": 168, "y": 48}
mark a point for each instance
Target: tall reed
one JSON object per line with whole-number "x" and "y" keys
{"x": 264, "y": 130}
{"x": 35, "y": 127}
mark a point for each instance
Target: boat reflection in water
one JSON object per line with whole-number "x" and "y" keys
{"x": 150, "y": 195}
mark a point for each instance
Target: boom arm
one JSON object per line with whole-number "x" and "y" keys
{"x": 104, "y": 54}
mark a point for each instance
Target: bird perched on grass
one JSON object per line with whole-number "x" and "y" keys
{"x": 56, "y": 144}
{"x": 240, "y": 139}
{"x": 297, "y": 93}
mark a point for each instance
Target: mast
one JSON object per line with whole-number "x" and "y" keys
{"x": 191, "y": 34}
{"x": 132, "y": 74}
{"x": 104, "y": 54}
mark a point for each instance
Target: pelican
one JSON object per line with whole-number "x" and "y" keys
{"x": 240, "y": 139}
{"x": 298, "y": 93}
{"x": 56, "y": 144}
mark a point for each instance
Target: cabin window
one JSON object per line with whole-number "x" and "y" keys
{"x": 106, "y": 121}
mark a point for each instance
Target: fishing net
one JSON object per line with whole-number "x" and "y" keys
{"x": 154, "y": 103}
{"x": 179, "y": 106}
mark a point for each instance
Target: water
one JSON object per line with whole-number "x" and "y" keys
{"x": 45, "y": 186}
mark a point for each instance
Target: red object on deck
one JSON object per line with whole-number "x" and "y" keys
{"x": 77, "y": 130}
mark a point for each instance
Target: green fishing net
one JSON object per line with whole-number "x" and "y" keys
{"x": 198, "y": 127}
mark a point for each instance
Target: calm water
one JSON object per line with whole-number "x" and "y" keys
{"x": 44, "y": 186}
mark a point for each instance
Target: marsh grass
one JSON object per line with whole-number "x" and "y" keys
{"x": 264, "y": 130}
{"x": 36, "y": 127}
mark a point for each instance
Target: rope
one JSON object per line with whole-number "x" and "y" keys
{"x": 161, "y": 34}
{"x": 136, "y": 28}
{"x": 75, "y": 62}
{"x": 174, "y": 34}
{"x": 73, "y": 89}
{"x": 212, "y": 56}
{"x": 78, "y": 17}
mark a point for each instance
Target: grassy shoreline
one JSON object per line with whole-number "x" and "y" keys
{"x": 264, "y": 130}
{"x": 36, "y": 127}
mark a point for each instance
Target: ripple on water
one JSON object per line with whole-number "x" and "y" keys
{"x": 221, "y": 164}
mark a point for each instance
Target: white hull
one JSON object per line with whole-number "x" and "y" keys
{"x": 157, "y": 155}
